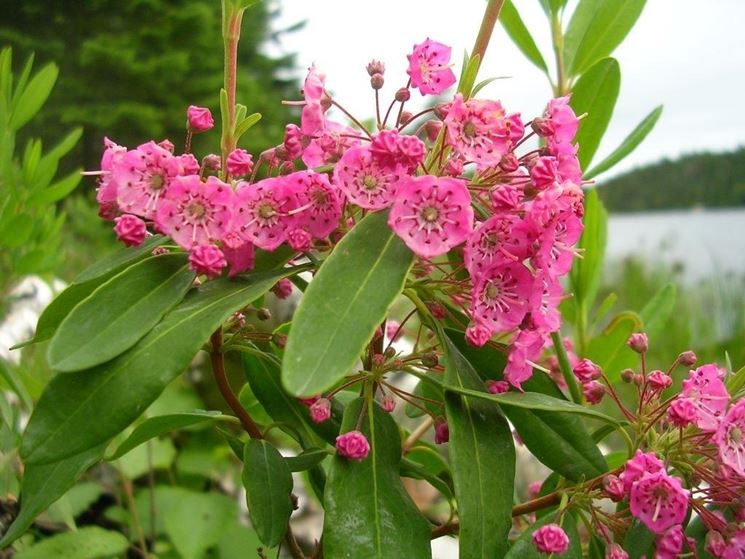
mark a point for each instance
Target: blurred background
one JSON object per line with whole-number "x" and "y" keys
{"x": 128, "y": 70}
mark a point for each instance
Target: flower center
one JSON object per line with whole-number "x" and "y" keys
{"x": 196, "y": 209}
{"x": 157, "y": 182}
{"x": 736, "y": 435}
{"x": 429, "y": 214}
{"x": 469, "y": 129}
{"x": 370, "y": 182}
{"x": 266, "y": 210}
{"x": 492, "y": 291}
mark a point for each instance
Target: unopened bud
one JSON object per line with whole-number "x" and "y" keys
{"x": 687, "y": 358}
{"x": 442, "y": 433}
{"x": 638, "y": 342}
{"x": 378, "y": 359}
{"x": 543, "y": 127}
{"x": 281, "y": 152}
{"x": 627, "y": 375}
{"x": 388, "y": 404}
{"x": 211, "y": 162}
{"x": 264, "y": 314}
{"x": 593, "y": 391}
{"x": 406, "y": 117}
{"x": 613, "y": 487}
{"x": 375, "y": 67}
{"x": 509, "y": 163}
{"x": 166, "y": 145}
{"x": 390, "y": 353}
{"x": 432, "y": 128}
{"x": 441, "y": 111}
{"x": 430, "y": 360}
{"x": 280, "y": 340}
{"x": 377, "y": 81}
{"x": 638, "y": 379}
{"x": 286, "y": 168}
{"x": 403, "y": 95}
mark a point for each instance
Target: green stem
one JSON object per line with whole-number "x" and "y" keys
{"x": 557, "y": 36}
{"x": 566, "y": 369}
{"x": 232, "y": 17}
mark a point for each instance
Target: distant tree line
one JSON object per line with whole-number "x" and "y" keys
{"x": 710, "y": 180}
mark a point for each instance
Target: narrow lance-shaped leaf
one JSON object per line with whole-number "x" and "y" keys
{"x": 268, "y": 482}
{"x": 513, "y": 24}
{"x": 629, "y": 144}
{"x": 368, "y": 513}
{"x": 119, "y": 312}
{"x": 43, "y": 484}
{"x": 483, "y": 459}
{"x": 80, "y": 410}
{"x": 34, "y": 96}
{"x": 595, "y": 93}
{"x": 343, "y": 305}
{"x": 89, "y": 542}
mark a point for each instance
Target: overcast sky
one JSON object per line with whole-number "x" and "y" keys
{"x": 688, "y": 55}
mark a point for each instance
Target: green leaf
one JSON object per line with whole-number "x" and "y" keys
{"x": 34, "y": 96}
{"x": 600, "y": 31}
{"x": 75, "y": 502}
{"x": 513, "y": 24}
{"x": 638, "y": 541}
{"x": 48, "y": 165}
{"x": 343, "y": 305}
{"x": 608, "y": 349}
{"x": 90, "y": 542}
{"x": 162, "y": 424}
{"x": 17, "y": 230}
{"x": 43, "y": 484}
{"x": 9, "y": 375}
{"x": 736, "y": 381}
{"x": 263, "y": 375}
{"x": 482, "y": 455}
{"x": 80, "y": 410}
{"x": 629, "y": 144}
{"x": 595, "y": 93}
{"x": 117, "y": 261}
{"x": 523, "y": 548}
{"x": 587, "y": 271}
{"x": 658, "y": 310}
{"x": 368, "y": 513}
{"x": 559, "y": 440}
{"x": 468, "y": 76}
{"x": 119, "y": 312}
{"x": 242, "y": 127}
{"x": 307, "y": 459}
{"x": 57, "y": 191}
{"x": 268, "y": 482}
{"x": 195, "y": 521}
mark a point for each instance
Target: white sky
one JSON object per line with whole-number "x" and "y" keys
{"x": 686, "y": 54}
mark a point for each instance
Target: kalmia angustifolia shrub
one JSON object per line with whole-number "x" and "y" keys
{"x": 472, "y": 212}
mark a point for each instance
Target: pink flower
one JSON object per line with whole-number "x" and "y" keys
{"x": 659, "y": 381}
{"x": 715, "y": 544}
{"x": 142, "y": 176}
{"x": 319, "y": 207}
{"x": 312, "y": 117}
{"x": 239, "y": 163}
{"x": 193, "y": 212}
{"x": 320, "y": 411}
{"x": 735, "y": 546}
{"x": 393, "y": 329}
{"x": 106, "y": 194}
{"x": 239, "y": 254}
{"x": 636, "y": 467}
{"x": 499, "y": 298}
{"x": 562, "y": 119}
{"x": 586, "y": 370}
{"x": 477, "y": 334}
{"x": 615, "y": 551}
{"x": 707, "y": 392}
{"x": 329, "y": 145}
{"x": 442, "y": 432}
{"x": 283, "y": 288}
{"x": 526, "y": 347}
{"x": 353, "y": 445}
{"x": 391, "y": 149}
{"x": 295, "y": 141}
{"x": 130, "y": 230}
{"x": 199, "y": 119}
{"x": 730, "y": 438}
{"x": 207, "y": 260}
{"x": 428, "y": 67}
{"x": 659, "y": 501}
{"x": 496, "y": 241}
{"x": 593, "y": 392}
{"x": 682, "y": 412}
{"x": 478, "y": 131}
{"x": 261, "y": 216}
{"x": 638, "y": 342}
{"x": 551, "y": 538}
{"x": 670, "y": 544}
{"x": 534, "y": 489}
{"x": 545, "y": 173}
{"x": 497, "y": 386}
{"x": 432, "y": 214}
{"x": 365, "y": 182}
{"x": 544, "y": 302}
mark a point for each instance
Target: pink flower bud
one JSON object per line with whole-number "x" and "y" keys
{"x": 534, "y": 489}
{"x": 211, "y": 162}
{"x": 207, "y": 260}
{"x": 615, "y": 551}
{"x": 586, "y": 371}
{"x": 715, "y": 544}
{"x": 543, "y": 127}
{"x": 551, "y": 538}
{"x": 613, "y": 487}
{"x": 378, "y": 360}
{"x": 375, "y": 67}
{"x": 280, "y": 340}
{"x": 403, "y": 95}
{"x": 638, "y": 342}
{"x": 320, "y": 410}
{"x": 437, "y": 310}
{"x": 477, "y": 334}
{"x": 593, "y": 391}
{"x": 670, "y": 544}
{"x": 239, "y": 163}
{"x": 497, "y": 386}
{"x": 430, "y": 360}
{"x": 300, "y": 240}
{"x": 283, "y": 288}
{"x": 453, "y": 167}
{"x": 377, "y": 81}
{"x": 393, "y": 329}
{"x": 294, "y": 141}
{"x": 130, "y": 230}
{"x": 687, "y": 358}
{"x": 627, "y": 375}
{"x": 442, "y": 432}
{"x": 199, "y": 119}
{"x": 659, "y": 381}
{"x": 309, "y": 401}
{"x": 432, "y": 128}
{"x": 682, "y": 412}
{"x": 509, "y": 163}
{"x": 166, "y": 145}
{"x": 406, "y": 117}
{"x": 353, "y": 445}
{"x": 388, "y": 404}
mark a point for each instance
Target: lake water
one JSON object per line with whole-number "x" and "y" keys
{"x": 704, "y": 242}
